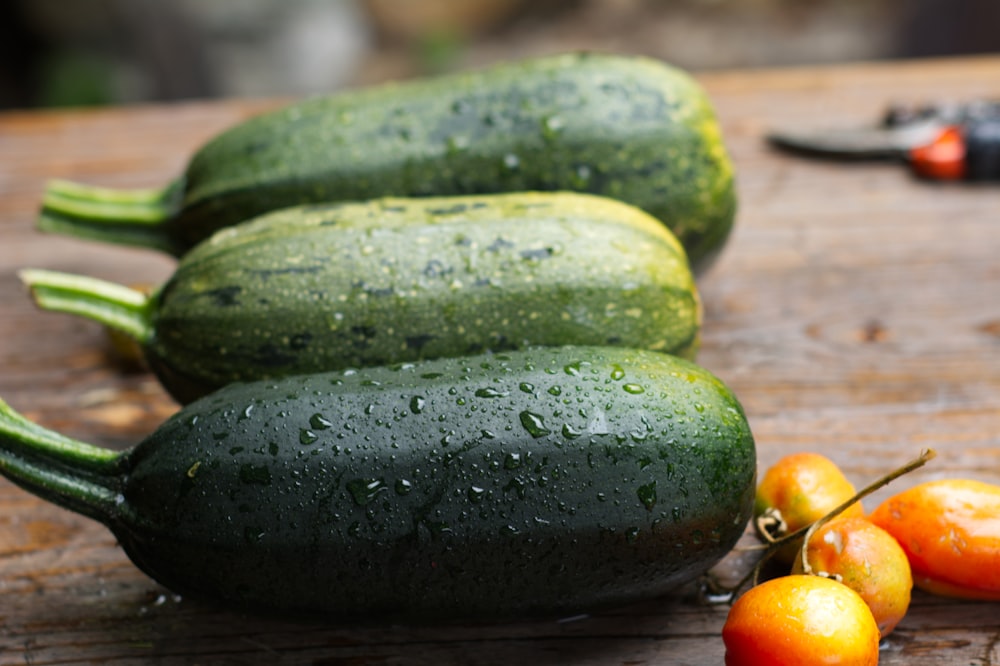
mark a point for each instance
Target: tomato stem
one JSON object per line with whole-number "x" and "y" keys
{"x": 774, "y": 544}
{"x": 771, "y": 524}
{"x": 807, "y": 532}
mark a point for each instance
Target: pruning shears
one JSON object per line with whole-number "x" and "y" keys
{"x": 938, "y": 142}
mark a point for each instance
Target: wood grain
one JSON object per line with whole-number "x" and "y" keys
{"x": 855, "y": 312}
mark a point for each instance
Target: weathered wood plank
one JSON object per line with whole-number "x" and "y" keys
{"x": 855, "y": 312}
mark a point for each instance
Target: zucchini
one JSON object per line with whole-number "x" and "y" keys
{"x": 630, "y": 128}
{"x": 540, "y": 482}
{"x": 325, "y": 287}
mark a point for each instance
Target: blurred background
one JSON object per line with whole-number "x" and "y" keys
{"x": 98, "y": 52}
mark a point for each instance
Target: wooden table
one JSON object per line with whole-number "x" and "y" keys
{"x": 856, "y": 312}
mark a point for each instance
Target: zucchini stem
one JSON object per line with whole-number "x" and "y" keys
{"x": 114, "y": 305}
{"x": 72, "y": 474}
{"x": 67, "y": 189}
{"x": 131, "y": 217}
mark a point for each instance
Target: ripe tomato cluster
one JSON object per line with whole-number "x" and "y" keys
{"x": 850, "y": 574}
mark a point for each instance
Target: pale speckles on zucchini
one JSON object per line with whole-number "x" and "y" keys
{"x": 330, "y": 286}
{"x": 629, "y": 128}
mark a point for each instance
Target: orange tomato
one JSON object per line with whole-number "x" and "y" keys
{"x": 950, "y": 530}
{"x": 803, "y": 620}
{"x": 803, "y": 487}
{"x": 867, "y": 559}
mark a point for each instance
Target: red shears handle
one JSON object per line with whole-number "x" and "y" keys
{"x": 961, "y": 152}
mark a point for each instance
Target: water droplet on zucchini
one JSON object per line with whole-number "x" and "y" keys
{"x": 365, "y": 490}
{"x": 319, "y": 422}
{"x": 511, "y": 162}
{"x": 512, "y": 461}
{"x": 534, "y": 424}
{"x": 647, "y": 495}
{"x": 551, "y": 126}
{"x": 569, "y": 432}
{"x": 490, "y": 393}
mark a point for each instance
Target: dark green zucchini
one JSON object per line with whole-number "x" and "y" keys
{"x": 326, "y": 287}
{"x": 630, "y": 128}
{"x": 540, "y": 482}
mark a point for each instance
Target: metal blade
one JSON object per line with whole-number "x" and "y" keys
{"x": 860, "y": 143}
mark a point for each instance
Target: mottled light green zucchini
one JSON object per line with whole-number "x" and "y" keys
{"x": 330, "y": 286}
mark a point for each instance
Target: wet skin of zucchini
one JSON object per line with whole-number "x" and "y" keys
{"x": 626, "y": 127}
{"x": 539, "y": 482}
{"x": 325, "y": 287}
